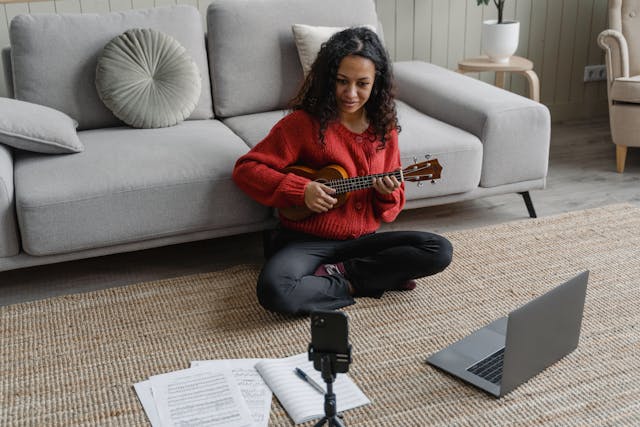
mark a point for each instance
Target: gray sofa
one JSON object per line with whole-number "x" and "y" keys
{"x": 132, "y": 189}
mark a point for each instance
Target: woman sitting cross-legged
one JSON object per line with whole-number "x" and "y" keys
{"x": 343, "y": 115}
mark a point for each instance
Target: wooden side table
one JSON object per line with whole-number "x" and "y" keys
{"x": 516, "y": 64}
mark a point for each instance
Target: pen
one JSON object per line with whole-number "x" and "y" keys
{"x": 304, "y": 377}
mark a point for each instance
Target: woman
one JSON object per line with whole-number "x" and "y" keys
{"x": 344, "y": 114}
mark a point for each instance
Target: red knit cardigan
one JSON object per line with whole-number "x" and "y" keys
{"x": 294, "y": 141}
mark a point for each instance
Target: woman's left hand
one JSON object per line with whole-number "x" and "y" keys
{"x": 386, "y": 185}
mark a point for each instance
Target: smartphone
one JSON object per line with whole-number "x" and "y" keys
{"x": 330, "y": 335}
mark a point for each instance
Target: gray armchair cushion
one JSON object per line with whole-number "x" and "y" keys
{"x": 261, "y": 72}
{"x": 147, "y": 79}
{"x": 626, "y": 89}
{"x": 33, "y": 127}
{"x": 49, "y": 71}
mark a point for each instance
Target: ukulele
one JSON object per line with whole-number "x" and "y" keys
{"x": 336, "y": 177}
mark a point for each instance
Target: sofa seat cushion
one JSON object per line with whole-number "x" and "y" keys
{"x": 458, "y": 152}
{"x": 626, "y": 89}
{"x": 131, "y": 185}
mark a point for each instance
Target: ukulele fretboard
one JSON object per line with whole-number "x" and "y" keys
{"x": 359, "y": 182}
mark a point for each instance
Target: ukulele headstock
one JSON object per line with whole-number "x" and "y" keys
{"x": 428, "y": 170}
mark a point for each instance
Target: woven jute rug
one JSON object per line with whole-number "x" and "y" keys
{"x": 72, "y": 360}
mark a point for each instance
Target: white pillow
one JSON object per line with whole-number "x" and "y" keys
{"x": 309, "y": 39}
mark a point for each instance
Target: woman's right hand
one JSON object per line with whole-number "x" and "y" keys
{"x": 318, "y": 197}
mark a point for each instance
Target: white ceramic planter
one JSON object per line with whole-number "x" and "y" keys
{"x": 500, "y": 41}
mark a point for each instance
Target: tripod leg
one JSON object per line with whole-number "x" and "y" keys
{"x": 322, "y": 421}
{"x": 336, "y": 421}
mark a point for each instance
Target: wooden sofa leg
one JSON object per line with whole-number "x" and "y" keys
{"x": 529, "y": 204}
{"x": 621, "y": 157}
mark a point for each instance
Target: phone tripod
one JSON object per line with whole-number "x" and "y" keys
{"x": 331, "y": 417}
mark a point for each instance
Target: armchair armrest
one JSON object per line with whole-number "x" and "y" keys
{"x": 616, "y": 54}
{"x": 514, "y": 131}
{"x": 9, "y": 245}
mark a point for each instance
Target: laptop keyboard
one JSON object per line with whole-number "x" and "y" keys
{"x": 490, "y": 368}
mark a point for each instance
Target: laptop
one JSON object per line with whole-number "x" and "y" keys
{"x": 509, "y": 351}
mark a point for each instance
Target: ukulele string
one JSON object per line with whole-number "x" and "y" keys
{"x": 359, "y": 182}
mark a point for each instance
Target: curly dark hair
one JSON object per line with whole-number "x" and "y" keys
{"x": 317, "y": 96}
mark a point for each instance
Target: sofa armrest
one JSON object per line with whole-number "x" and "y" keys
{"x": 515, "y": 131}
{"x": 9, "y": 245}
{"x": 616, "y": 54}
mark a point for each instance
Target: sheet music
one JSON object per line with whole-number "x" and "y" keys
{"x": 199, "y": 396}
{"x": 254, "y": 390}
{"x": 143, "y": 388}
{"x": 301, "y": 401}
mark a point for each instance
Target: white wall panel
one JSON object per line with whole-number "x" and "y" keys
{"x": 67, "y": 6}
{"x": 143, "y": 4}
{"x": 522, "y": 14}
{"x": 42, "y": 7}
{"x": 423, "y": 11}
{"x": 472, "y": 32}
{"x": 404, "y": 30}
{"x": 550, "y": 51}
{"x": 439, "y": 33}
{"x": 457, "y": 28}
{"x": 565, "y": 54}
{"x": 509, "y": 15}
{"x": 115, "y": 5}
{"x": 94, "y": 6}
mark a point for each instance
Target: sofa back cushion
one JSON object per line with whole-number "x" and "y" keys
{"x": 252, "y": 54}
{"x": 54, "y": 57}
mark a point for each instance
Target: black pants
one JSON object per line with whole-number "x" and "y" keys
{"x": 374, "y": 263}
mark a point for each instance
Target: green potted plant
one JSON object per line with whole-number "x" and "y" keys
{"x": 499, "y": 37}
{"x": 499, "y": 4}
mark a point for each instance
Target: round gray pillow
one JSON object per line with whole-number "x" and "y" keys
{"x": 147, "y": 79}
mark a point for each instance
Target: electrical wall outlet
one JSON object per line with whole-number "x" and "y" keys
{"x": 595, "y": 73}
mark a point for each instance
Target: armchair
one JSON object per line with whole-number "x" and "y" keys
{"x": 621, "y": 43}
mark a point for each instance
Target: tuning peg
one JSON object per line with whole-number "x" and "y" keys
{"x": 415, "y": 159}
{"x": 420, "y": 183}
{"x": 433, "y": 181}
{"x": 427, "y": 156}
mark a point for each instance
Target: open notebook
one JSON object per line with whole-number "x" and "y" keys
{"x": 301, "y": 401}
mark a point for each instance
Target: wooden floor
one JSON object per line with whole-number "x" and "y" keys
{"x": 581, "y": 175}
